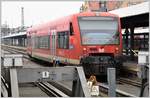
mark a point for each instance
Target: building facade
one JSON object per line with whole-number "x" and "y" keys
{"x": 110, "y": 5}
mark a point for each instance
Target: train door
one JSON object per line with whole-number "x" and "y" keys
{"x": 53, "y": 43}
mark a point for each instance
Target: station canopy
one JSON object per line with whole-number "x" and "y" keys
{"x": 15, "y": 35}
{"x": 134, "y": 16}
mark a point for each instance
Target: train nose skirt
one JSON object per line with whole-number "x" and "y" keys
{"x": 100, "y": 69}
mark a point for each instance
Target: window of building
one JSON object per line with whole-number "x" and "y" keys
{"x": 63, "y": 40}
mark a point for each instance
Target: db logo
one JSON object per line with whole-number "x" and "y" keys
{"x": 101, "y": 49}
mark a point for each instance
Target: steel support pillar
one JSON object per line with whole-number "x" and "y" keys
{"x": 25, "y": 42}
{"x": 132, "y": 42}
{"x": 14, "y": 82}
{"x": 143, "y": 62}
{"x": 20, "y": 42}
{"x": 12, "y": 41}
{"x": 79, "y": 87}
{"x": 111, "y": 78}
{"x": 16, "y": 41}
{"x": 126, "y": 40}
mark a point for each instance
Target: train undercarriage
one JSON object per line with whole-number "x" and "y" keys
{"x": 97, "y": 65}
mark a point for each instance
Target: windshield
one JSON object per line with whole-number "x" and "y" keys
{"x": 99, "y": 30}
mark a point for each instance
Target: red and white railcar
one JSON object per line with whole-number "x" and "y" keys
{"x": 90, "y": 39}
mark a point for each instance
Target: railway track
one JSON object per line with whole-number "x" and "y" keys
{"x": 67, "y": 91}
{"x": 46, "y": 87}
{"x": 17, "y": 49}
{"x": 104, "y": 91}
{"x": 103, "y": 87}
{"x": 14, "y": 51}
{"x": 40, "y": 89}
{"x": 50, "y": 90}
{"x": 130, "y": 82}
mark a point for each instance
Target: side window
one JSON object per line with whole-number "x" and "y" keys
{"x": 63, "y": 40}
{"x": 36, "y": 42}
{"x": 42, "y": 42}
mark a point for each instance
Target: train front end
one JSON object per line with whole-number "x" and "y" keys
{"x": 101, "y": 43}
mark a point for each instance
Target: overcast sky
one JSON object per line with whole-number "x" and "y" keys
{"x": 36, "y": 12}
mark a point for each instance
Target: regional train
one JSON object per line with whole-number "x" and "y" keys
{"x": 89, "y": 39}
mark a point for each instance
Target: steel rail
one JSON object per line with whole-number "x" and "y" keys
{"x": 62, "y": 87}
{"x": 16, "y": 51}
{"x": 104, "y": 88}
{"x": 51, "y": 90}
{"x": 130, "y": 82}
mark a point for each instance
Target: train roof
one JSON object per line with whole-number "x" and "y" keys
{"x": 67, "y": 19}
{"x": 49, "y": 23}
